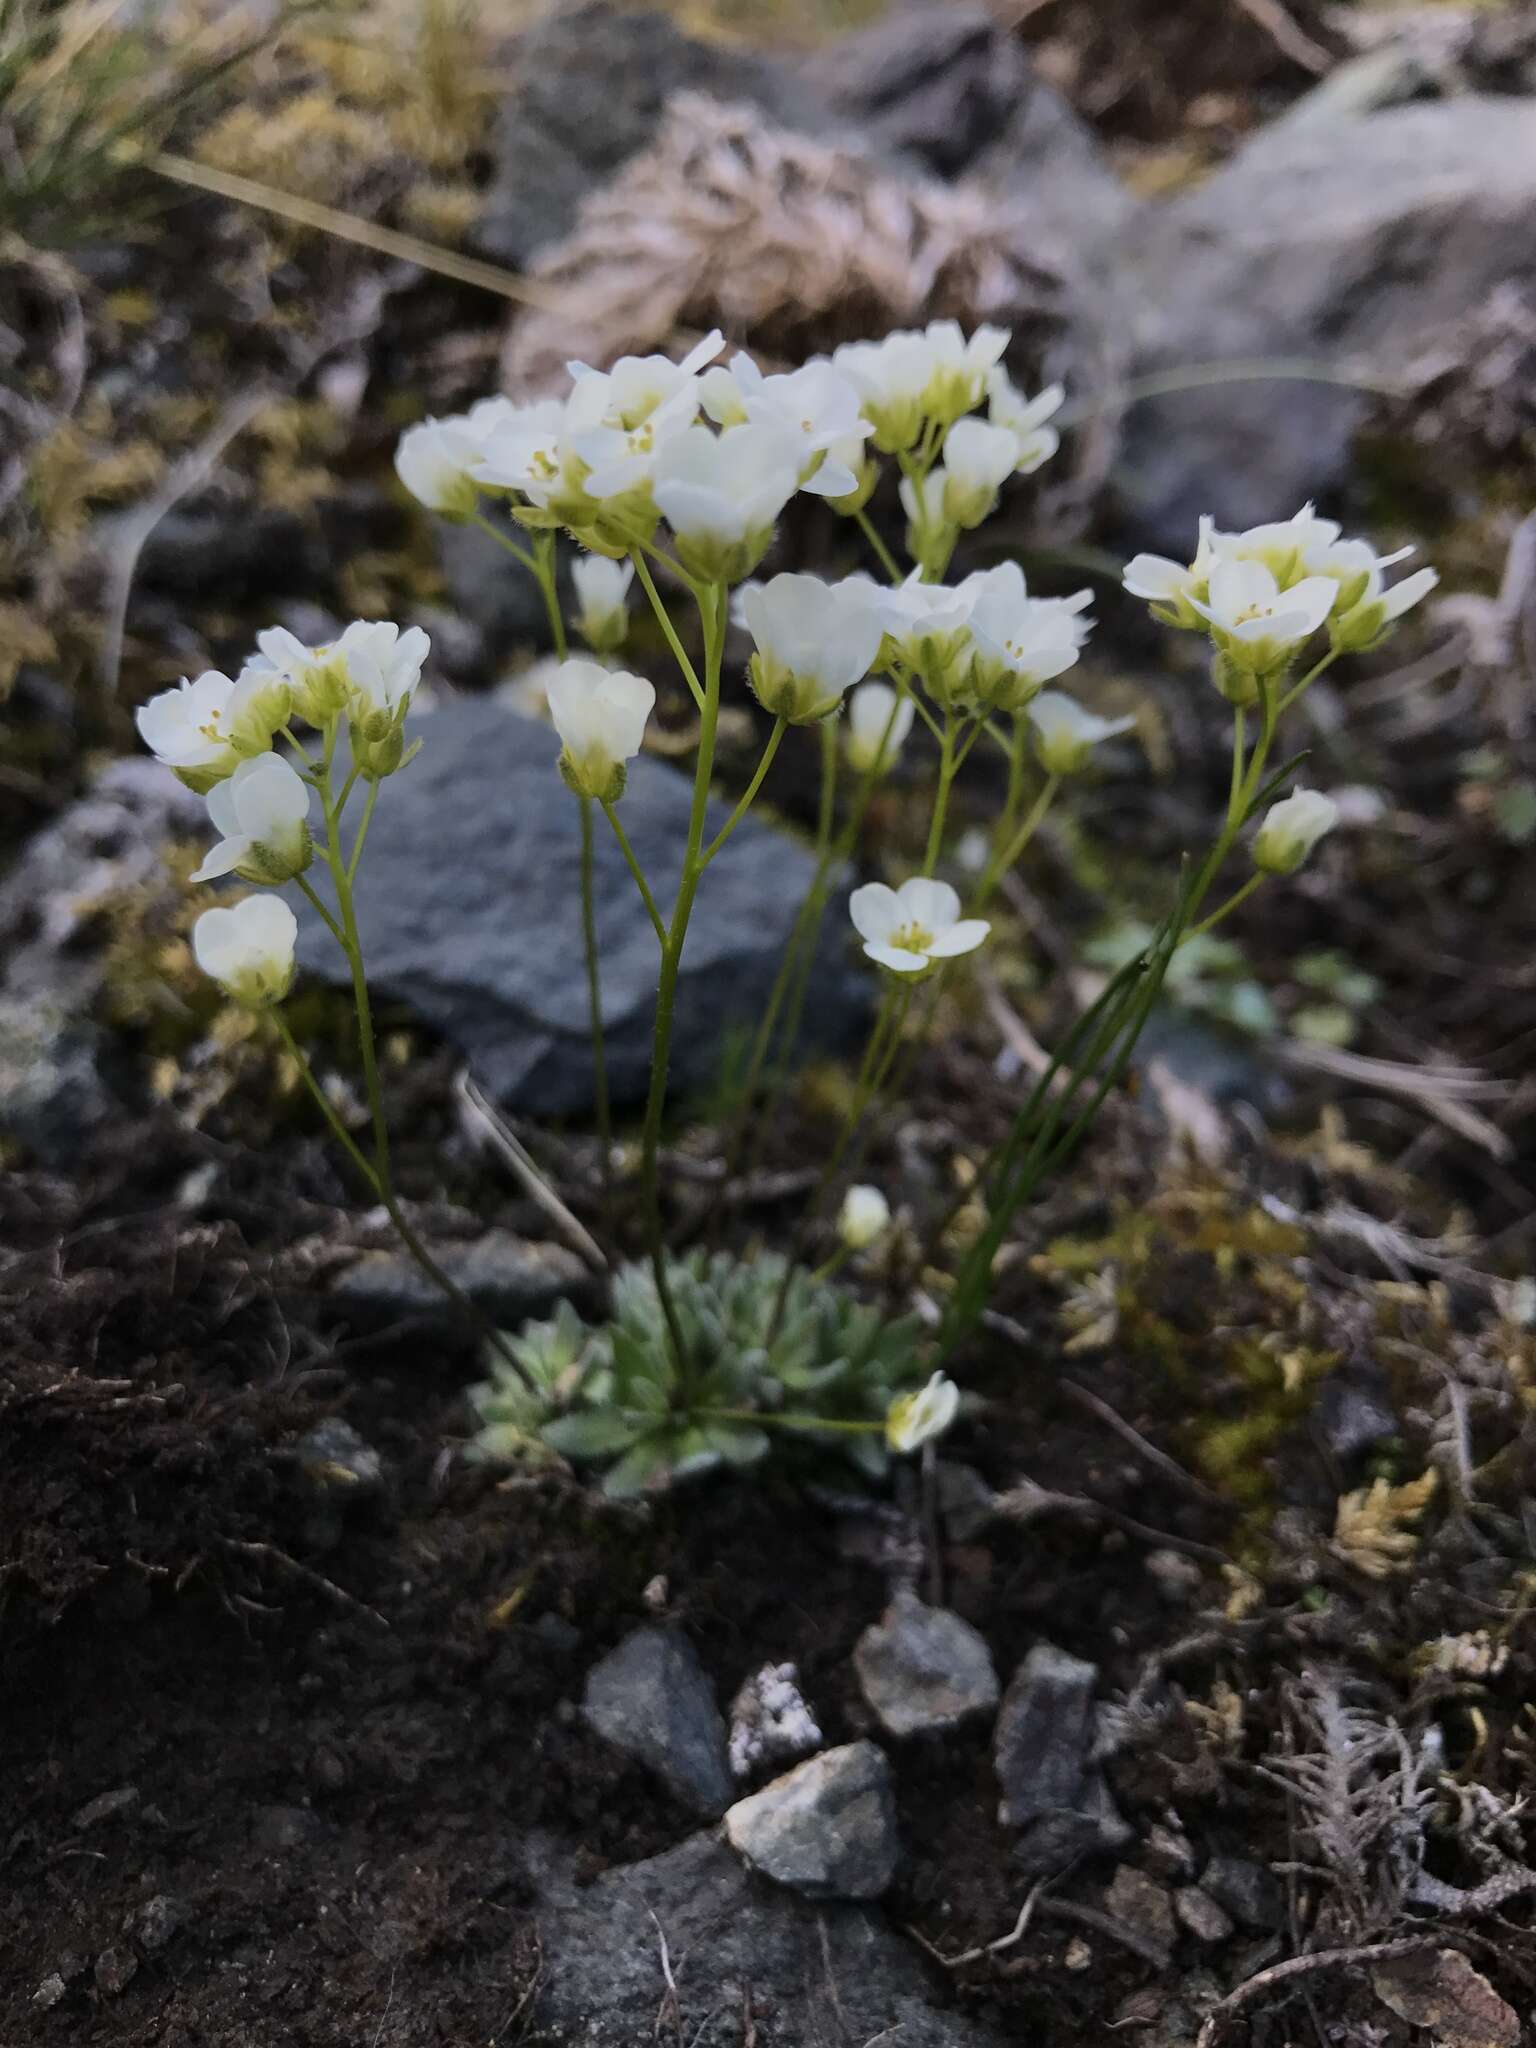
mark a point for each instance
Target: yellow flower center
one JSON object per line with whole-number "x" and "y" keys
{"x": 912, "y": 938}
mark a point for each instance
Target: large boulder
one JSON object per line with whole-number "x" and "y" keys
{"x": 1348, "y": 248}
{"x": 470, "y": 911}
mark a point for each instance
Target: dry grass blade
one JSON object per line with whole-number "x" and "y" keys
{"x": 1444, "y": 1091}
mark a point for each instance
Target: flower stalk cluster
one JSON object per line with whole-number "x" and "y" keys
{"x": 675, "y": 476}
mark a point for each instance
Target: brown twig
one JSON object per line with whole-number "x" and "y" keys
{"x": 1302, "y": 1966}
{"x": 270, "y": 1554}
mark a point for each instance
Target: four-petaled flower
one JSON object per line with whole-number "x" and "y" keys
{"x": 911, "y": 929}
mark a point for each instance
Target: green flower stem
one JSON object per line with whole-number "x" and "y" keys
{"x": 658, "y": 922}
{"x": 317, "y": 900}
{"x": 1003, "y": 860}
{"x": 1239, "y": 738}
{"x": 351, "y": 945}
{"x": 780, "y": 725}
{"x": 781, "y": 1420}
{"x": 947, "y": 766}
{"x": 830, "y": 1268}
{"x": 878, "y": 548}
{"x": 545, "y": 575}
{"x": 595, "y": 1004}
{"x": 1308, "y": 679}
{"x": 664, "y": 620}
{"x": 1238, "y": 896}
{"x": 386, "y": 1198}
{"x": 712, "y": 614}
{"x": 505, "y": 540}
{"x": 362, "y": 830}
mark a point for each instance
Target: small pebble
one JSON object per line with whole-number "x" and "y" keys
{"x": 1078, "y": 1954}
{"x": 1200, "y": 1915}
{"x": 49, "y": 1992}
{"x": 107, "y": 1806}
{"x": 116, "y": 1969}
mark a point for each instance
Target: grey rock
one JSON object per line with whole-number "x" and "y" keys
{"x": 590, "y": 83}
{"x": 511, "y": 1278}
{"x": 107, "y": 1806}
{"x": 1141, "y": 1903}
{"x": 1201, "y": 1916}
{"x": 1168, "y": 1852}
{"x": 495, "y": 593}
{"x": 948, "y": 87}
{"x": 826, "y": 1829}
{"x": 280, "y": 1830}
{"x": 736, "y": 1945}
{"x": 157, "y": 1921}
{"x": 966, "y": 1502}
{"x": 652, "y": 1699}
{"x": 1354, "y": 245}
{"x": 771, "y": 1721}
{"x": 1042, "y": 1751}
{"x": 1353, "y": 1411}
{"x": 49, "y": 1992}
{"x": 923, "y": 1669}
{"x": 116, "y": 1968}
{"x": 470, "y": 913}
{"x": 52, "y": 1096}
{"x": 1252, "y": 1894}
{"x": 333, "y": 1455}
{"x": 231, "y": 548}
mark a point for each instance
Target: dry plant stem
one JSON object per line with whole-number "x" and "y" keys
{"x": 713, "y": 618}
{"x": 1303, "y": 1966}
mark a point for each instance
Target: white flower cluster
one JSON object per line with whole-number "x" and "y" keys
{"x": 218, "y": 735}
{"x": 1262, "y": 594}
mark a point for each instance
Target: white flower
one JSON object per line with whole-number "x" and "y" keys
{"x": 435, "y": 461}
{"x": 316, "y": 676}
{"x": 1257, "y": 625}
{"x": 912, "y": 928}
{"x": 637, "y": 387}
{"x": 1170, "y": 587}
{"x": 814, "y": 641}
{"x": 1025, "y": 418}
{"x": 926, "y": 626}
{"x": 1291, "y": 829}
{"x": 721, "y": 495}
{"x": 962, "y": 364}
{"x": 602, "y": 588}
{"x": 977, "y": 459}
{"x": 203, "y": 728}
{"x": 915, "y": 1419}
{"x": 816, "y": 412}
{"x": 878, "y": 724}
{"x": 526, "y": 452}
{"x": 383, "y": 667}
{"x": 600, "y": 715}
{"x": 923, "y": 499}
{"x": 1365, "y": 607}
{"x": 1066, "y": 734}
{"x": 1281, "y": 545}
{"x": 864, "y": 1216}
{"x": 249, "y": 948}
{"x": 911, "y": 377}
{"x": 1021, "y": 642}
{"x": 262, "y": 815}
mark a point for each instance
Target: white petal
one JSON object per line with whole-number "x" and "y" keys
{"x": 934, "y": 905}
{"x": 963, "y": 937}
{"x": 875, "y": 911}
{"x": 224, "y": 858}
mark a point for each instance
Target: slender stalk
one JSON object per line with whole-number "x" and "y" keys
{"x": 1238, "y": 896}
{"x": 1007, "y": 857}
{"x": 658, "y": 923}
{"x": 780, "y": 725}
{"x": 504, "y": 540}
{"x": 351, "y": 945}
{"x": 1308, "y": 679}
{"x": 878, "y": 548}
{"x": 364, "y": 822}
{"x": 712, "y": 613}
{"x": 544, "y": 569}
{"x": 595, "y": 1004}
{"x": 318, "y": 902}
{"x": 778, "y": 1419}
{"x": 664, "y": 620}
{"x": 947, "y": 766}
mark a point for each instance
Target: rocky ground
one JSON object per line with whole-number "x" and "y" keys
{"x": 1189, "y": 1697}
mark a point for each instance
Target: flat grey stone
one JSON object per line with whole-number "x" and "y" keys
{"x": 652, "y": 1698}
{"x": 512, "y": 1278}
{"x": 1250, "y": 1892}
{"x": 1042, "y": 1753}
{"x": 1355, "y": 245}
{"x": 826, "y": 1829}
{"x": 1200, "y": 1915}
{"x": 745, "y": 1956}
{"x": 923, "y": 1669}
{"x": 469, "y": 906}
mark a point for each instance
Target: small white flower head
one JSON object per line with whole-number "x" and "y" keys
{"x": 1281, "y": 545}
{"x": 721, "y": 496}
{"x": 977, "y": 460}
{"x": 864, "y": 1217}
{"x": 927, "y": 628}
{"x": 202, "y": 729}
{"x": 249, "y": 948}
{"x": 600, "y": 715}
{"x": 916, "y": 1419}
{"x": 1020, "y": 642}
{"x": 924, "y": 501}
{"x": 815, "y": 410}
{"x": 1170, "y": 587}
{"x": 316, "y": 677}
{"x": 638, "y": 387}
{"x": 1027, "y": 419}
{"x": 1366, "y": 609}
{"x": 878, "y": 724}
{"x": 383, "y": 668}
{"x": 526, "y": 452}
{"x": 436, "y": 460}
{"x": 1065, "y": 734}
{"x": 1291, "y": 829}
{"x": 814, "y": 641}
{"x": 961, "y": 367}
{"x": 602, "y": 593}
{"x": 891, "y": 378}
{"x": 911, "y": 929}
{"x": 261, "y": 814}
{"x": 1258, "y": 626}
